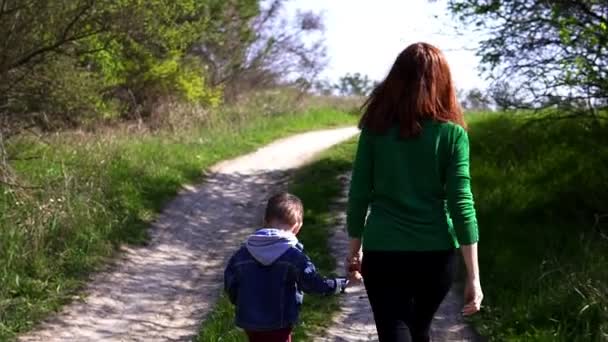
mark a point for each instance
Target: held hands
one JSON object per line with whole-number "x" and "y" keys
{"x": 341, "y": 284}
{"x": 353, "y": 261}
{"x": 472, "y": 297}
{"x": 353, "y": 268}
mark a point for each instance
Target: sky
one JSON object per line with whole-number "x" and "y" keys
{"x": 367, "y": 35}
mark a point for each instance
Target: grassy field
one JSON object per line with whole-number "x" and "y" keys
{"x": 539, "y": 188}
{"x": 98, "y": 190}
{"x": 314, "y": 235}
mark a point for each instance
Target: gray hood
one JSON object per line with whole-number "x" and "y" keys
{"x": 268, "y": 244}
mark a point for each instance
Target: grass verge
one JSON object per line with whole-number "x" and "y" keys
{"x": 317, "y": 185}
{"x": 100, "y": 190}
{"x": 540, "y": 191}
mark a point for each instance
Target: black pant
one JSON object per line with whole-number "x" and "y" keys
{"x": 405, "y": 290}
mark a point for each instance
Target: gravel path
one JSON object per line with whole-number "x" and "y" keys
{"x": 162, "y": 291}
{"x": 355, "y": 322}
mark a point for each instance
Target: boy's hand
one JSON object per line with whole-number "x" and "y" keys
{"x": 341, "y": 284}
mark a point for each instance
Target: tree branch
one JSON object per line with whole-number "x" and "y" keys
{"x": 62, "y": 40}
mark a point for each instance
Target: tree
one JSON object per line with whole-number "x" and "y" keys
{"x": 61, "y": 61}
{"x": 323, "y": 87}
{"x": 504, "y": 96}
{"x": 257, "y": 46}
{"x": 36, "y": 38}
{"x": 545, "y": 49}
{"x": 474, "y": 99}
{"x": 144, "y": 58}
{"x": 354, "y": 85}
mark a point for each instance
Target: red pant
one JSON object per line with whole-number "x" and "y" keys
{"x": 282, "y": 335}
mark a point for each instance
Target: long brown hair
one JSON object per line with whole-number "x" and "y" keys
{"x": 419, "y": 86}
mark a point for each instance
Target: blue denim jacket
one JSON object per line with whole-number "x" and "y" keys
{"x": 266, "y": 280}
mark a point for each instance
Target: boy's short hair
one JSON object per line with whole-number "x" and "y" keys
{"x": 285, "y": 208}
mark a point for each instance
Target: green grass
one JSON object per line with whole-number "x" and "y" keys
{"x": 100, "y": 190}
{"x": 544, "y": 262}
{"x": 316, "y": 185}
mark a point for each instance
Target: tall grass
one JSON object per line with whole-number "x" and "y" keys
{"x": 540, "y": 191}
{"x": 99, "y": 190}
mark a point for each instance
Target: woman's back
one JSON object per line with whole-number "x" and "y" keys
{"x": 415, "y": 183}
{"x": 412, "y": 172}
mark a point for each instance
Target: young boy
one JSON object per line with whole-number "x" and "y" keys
{"x": 265, "y": 279}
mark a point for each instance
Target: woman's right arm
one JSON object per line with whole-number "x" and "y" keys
{"x": 473, "y": 295}
{"x": 359, "y": 196}
{"x": 360, "y": 191}
{"x": 462, "y": 212}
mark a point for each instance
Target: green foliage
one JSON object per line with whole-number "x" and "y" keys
{"x": 101, "y": 190}
{"x": 37, "y": 73}
{"x": 129, "y": 47}
{"x": 546, "y": 49}
{"x": 539, "y": 198}
{"x": 49, "y": 92}
{"x": 146, "y": 52}
{"x": 193, "y": 87}
{"x": 318, "y": 222}
{"x": 77, "y": 59}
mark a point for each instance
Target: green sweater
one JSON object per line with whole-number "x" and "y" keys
{"x": 417, "y": 190}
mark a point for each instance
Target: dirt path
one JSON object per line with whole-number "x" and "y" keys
{"x": 355, "y": 321}
{"x": 162, "y": 291}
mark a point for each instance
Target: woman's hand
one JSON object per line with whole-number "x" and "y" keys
{"x": 353, "y": 261}
{"x": 472, "y": 286}
{"x": 472, "y": 297}
{"x": 353, "y": 269}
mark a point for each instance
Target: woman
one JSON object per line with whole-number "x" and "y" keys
{"x": 412, "y": 172}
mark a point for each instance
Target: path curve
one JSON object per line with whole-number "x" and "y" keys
{"x": 355, "y": 321}
{"x": 162, "y": 291}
